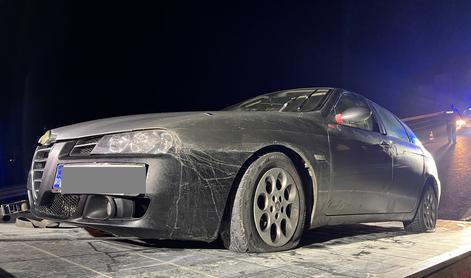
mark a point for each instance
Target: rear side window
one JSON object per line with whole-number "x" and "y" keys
{"x": 392, "y": 125}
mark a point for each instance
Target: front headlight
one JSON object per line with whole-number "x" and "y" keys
{"x": 146, "y": 141}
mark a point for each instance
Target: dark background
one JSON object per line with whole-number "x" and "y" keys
{"x": 63, "y": 62}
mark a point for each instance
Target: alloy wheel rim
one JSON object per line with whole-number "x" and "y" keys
{"x": 429, "y": 210}
{"x": 276, "y": 207}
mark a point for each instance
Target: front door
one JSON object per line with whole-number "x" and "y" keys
{"x": 361, "y": 162}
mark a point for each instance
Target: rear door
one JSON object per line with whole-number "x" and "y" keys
{"x": 361, "y": 163}
{"x": 408, "y": 164}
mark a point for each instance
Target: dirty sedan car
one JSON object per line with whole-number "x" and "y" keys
{"x": 256, "y": 174}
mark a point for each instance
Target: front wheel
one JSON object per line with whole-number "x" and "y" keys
{"x": 426, "y": 216}
{"x": 268, "y": 212}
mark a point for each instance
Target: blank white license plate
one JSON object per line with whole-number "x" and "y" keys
{"x": 100, "y": 179}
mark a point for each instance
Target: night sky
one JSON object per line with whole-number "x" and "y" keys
{"x": 63, "y": 62}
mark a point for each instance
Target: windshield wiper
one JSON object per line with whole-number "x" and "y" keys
{"x": 304, "y": 102}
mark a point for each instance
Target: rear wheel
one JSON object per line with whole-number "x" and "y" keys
{"x": 268, "y": 212}
{"x": 426, "y": 216}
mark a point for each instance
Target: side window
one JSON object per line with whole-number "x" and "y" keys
{"x": 412, "y": 136}
{"x": 348, "y": 101}
{"x": 392, "y": 125}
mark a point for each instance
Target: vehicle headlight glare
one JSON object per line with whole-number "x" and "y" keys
{"x": 146, "y": 141}
{"x": 460, "y": 123}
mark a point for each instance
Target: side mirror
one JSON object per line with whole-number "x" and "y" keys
{"x": 353, "y": 115}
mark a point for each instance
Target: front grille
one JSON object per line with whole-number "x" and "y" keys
{"x": 37, "y": 169}
{"x": 61, "y": 206}
{"x": 84, "y": 147}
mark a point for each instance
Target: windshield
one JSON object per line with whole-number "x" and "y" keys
{"x": 285, "y": 101}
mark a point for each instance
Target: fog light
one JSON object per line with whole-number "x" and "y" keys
{"x": 99, "y": 207}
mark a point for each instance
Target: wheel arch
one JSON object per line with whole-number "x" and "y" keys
{"x": 302, "y": 165}
{"x": 430, "y": 180}
{"x": 414, "y": 224}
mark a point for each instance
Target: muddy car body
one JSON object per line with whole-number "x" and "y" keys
{"x": 211, "y": 174}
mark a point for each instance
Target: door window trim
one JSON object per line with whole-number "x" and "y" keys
{"x": 382, "y": 127}
{"x": 409, "y": 139}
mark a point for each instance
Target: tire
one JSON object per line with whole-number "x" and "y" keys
{"x": 425, "y": 218}
{"x": 268, "y": 212}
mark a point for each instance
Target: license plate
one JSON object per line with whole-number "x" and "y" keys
{"x": 99, "y": 178}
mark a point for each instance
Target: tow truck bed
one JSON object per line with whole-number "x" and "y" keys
{"x": 379, "y": 249}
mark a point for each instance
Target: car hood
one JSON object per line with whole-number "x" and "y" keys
{"x": 179, "y": 120}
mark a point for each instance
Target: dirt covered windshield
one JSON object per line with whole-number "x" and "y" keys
{"x": 286, "y": 101}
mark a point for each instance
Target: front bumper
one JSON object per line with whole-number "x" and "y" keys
{"x": 184, "y": 196}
